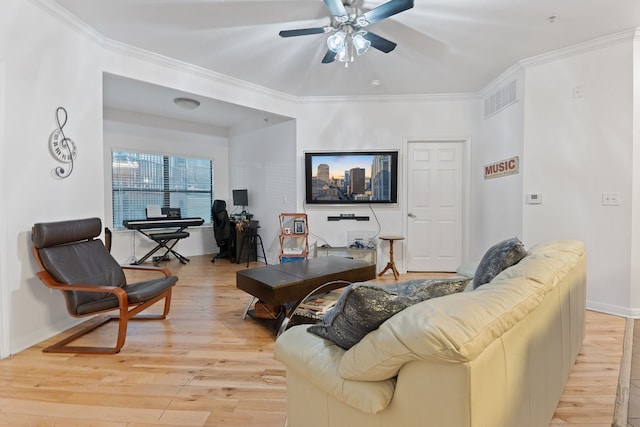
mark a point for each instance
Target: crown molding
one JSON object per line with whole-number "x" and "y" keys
{"x": 438, "y": 97}
{"x": 628, "y": 35}
{"x": 196, "y": 70}
{"x": 515, "y": 70}
{"x": 509, "y": 74}
{"x": 58, "y": 12}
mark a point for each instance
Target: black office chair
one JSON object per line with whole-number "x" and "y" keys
{"x": 222, "y": 231}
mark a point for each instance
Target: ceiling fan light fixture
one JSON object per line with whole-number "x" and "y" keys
{"x": 361, "y": 44}
{"x": 346, "y": 35}
{"x": 336, "y": 42}
{"x": 342, "y": 56}
{"x": 361, "y": 21}
{"x": 187, "y": 103}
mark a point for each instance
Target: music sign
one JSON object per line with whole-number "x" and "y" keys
{"x": 502, "y": 168}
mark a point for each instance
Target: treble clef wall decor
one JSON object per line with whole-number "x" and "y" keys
{"x": 62, "y": 148}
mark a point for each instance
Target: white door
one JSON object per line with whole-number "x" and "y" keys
{"x": 434, "y": 206}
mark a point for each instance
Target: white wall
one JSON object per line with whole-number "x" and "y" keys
{"x": 375, "y": 124}
{"x": 47, "y": 65}
{"x": 4, "y": 232}
{"x": 263, "y": 161}
{"x": 578, "y": 148}
{"x": 135, "y": 132}
{"x": 634, "y": 297}
{"x": 497, "y": 202}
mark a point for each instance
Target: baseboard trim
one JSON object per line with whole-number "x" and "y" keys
{"x": 616, "y": 310}
{"x": 621, "y": 409}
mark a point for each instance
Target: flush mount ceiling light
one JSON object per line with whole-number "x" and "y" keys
{"x": 348, "y": 37}
{"x": 187, "y": 103}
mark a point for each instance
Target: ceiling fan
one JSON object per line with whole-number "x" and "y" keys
{"x": 347, "y": 28}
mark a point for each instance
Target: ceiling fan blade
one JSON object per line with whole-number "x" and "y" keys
{"x": 387, "y": 9}
{"x": 380, "y": 43}
{"x": 336, "y": 7}
{"x": 301, "y": 32}
{"x": 329, "y": 57}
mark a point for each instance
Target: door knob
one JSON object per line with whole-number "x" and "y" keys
{"x": 411, "y": 215}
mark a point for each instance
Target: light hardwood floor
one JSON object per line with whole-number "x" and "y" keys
{"x": 205, "y": 366}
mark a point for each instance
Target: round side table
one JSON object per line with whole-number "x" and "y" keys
{"x": 391, "y": 265}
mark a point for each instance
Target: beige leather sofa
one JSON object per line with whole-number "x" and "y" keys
{"x": 495, "y": 356}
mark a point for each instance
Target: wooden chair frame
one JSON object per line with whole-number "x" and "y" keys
{"x": 127, "y": 311}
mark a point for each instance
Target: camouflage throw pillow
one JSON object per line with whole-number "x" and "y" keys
{"x": 499, "y": 257}
{"x": 363, "y": 307}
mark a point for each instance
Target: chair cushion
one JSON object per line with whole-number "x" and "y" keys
{"x": 61, "y": 232}
{"x": 497, "y": 258}
{"x": 363, "y": 307}
{"x": 83, "y": 263}
{"x": 144, "y": 291}
{"x": 136, "y": 293}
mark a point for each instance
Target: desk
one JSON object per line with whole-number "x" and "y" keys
{"x": 167, "y": 239}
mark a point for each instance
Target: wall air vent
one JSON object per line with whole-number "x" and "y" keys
{"x": 500, "y": 99}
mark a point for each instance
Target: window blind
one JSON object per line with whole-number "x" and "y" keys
{"x": 140, "y": 179}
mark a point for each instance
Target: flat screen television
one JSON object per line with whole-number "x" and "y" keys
{"x": 240, "y": 198}
{"x": 351, "y": 177}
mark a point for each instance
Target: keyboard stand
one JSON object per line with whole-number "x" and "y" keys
{"x": 166, "y": 232}
{"x": 167, "y": 241}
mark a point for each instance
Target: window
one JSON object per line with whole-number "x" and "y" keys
{"x": 140, "y": 179}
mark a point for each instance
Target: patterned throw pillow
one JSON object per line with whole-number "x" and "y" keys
{"x": 499, "y": 256}
{"x": 362, "y": 307}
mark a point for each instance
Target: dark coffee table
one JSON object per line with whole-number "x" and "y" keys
{"x": 292, "y": 282}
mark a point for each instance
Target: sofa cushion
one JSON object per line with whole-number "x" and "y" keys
{"x": 363, "y": 307}
{"x": 499, "y": 257}
{"x": 318, "y": 361}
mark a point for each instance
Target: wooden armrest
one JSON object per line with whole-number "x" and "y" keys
{"x": 49, "y": 281}
{"x": 162, "y": 270}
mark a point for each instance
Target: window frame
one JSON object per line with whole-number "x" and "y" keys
{"x": 165, "y": 188}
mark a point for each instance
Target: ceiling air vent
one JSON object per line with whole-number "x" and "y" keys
{"x": 500, "y": 99}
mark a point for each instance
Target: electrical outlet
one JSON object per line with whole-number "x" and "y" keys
{"x": 577, "y": 92}
{"x": 611, "y": 199}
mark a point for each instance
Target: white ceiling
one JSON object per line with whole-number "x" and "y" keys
{"x": 133, "y": 95}
{"x": 444, "y": 46}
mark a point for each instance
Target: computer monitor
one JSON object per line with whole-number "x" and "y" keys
{"x": 241, "y": 198}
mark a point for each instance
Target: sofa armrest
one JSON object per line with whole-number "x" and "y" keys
{"x": 319, "y": 360}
